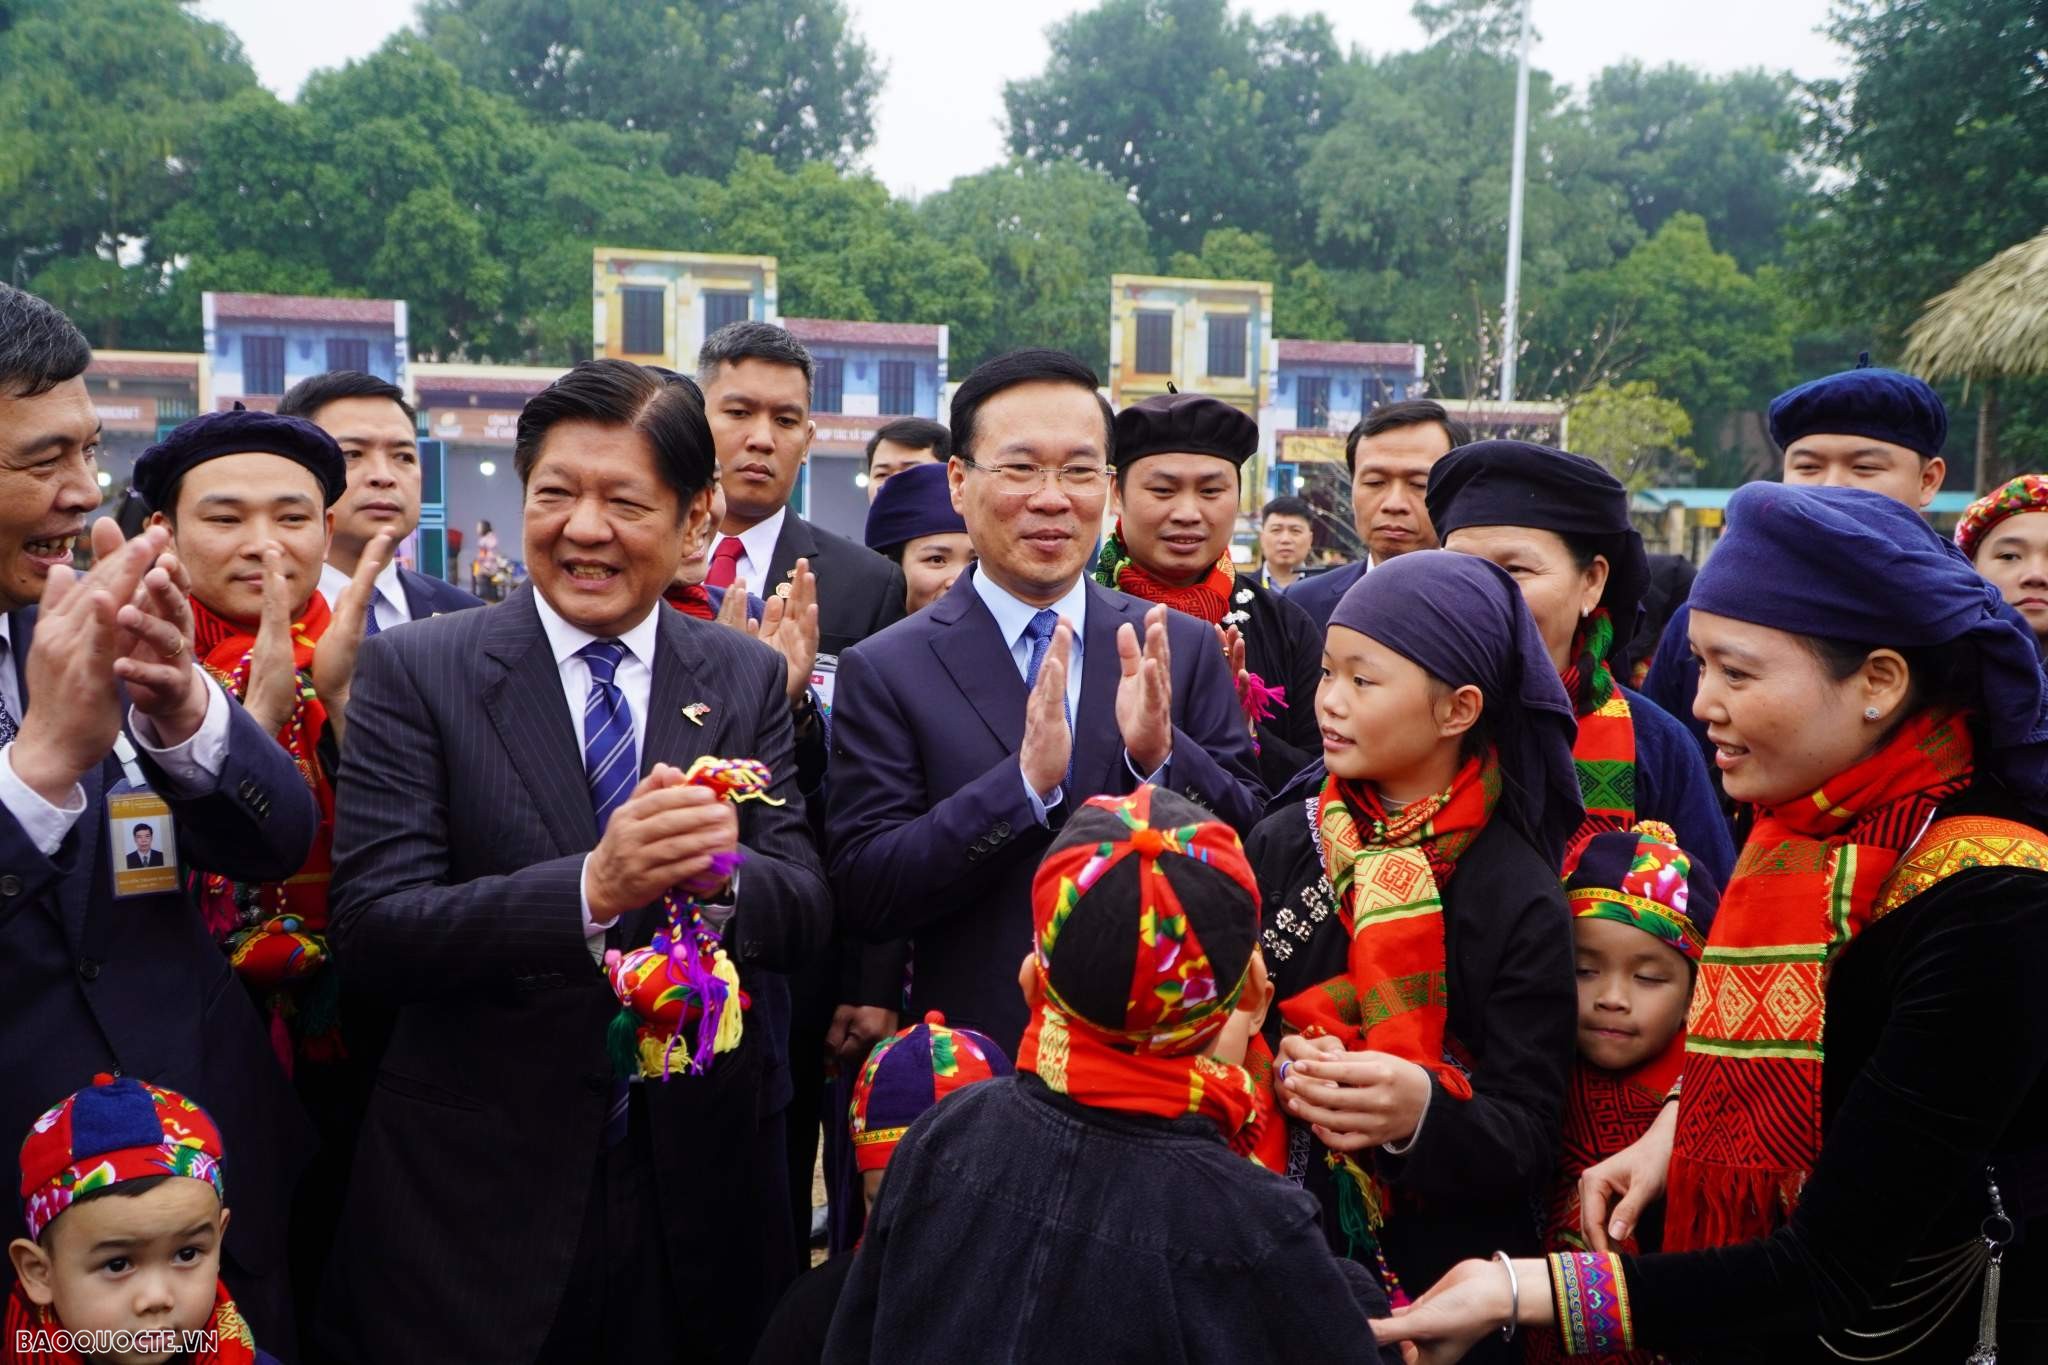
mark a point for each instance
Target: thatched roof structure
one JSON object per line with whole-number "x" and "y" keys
{"x": 1992, "y": 325}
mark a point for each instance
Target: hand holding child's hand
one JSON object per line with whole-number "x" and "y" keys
{"x": 1356, "y": 1100}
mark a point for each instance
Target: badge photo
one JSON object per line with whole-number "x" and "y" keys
{"x": 142, "y": 843}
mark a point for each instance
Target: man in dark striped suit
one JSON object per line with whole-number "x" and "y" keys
{"x": 511, "y": 1201}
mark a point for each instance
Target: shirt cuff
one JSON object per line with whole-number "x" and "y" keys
{"x": 1153, "y": 779}
{"x": 44, "y": 824}
{"x": 1041, "y": 805}
{"x": 192, "y": 768}
{"x": 1407, "y": 1144}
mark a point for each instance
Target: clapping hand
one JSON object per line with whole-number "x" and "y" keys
{"x": 1048, "y": 747}
{"x": 790, "y": 624}
{"x": 272, "y": 692}
{"x": 75, "y": 713}
{"x": 732, "y": 611}
{"x": 1232, "y": 640}
{"x": 1144, "y": 694}
{"x": 334, "y": 658}
{"x": 156, "y": 641}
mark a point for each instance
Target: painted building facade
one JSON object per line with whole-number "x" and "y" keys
{"x": 1323, "y": 389}
{"x": 864, "y": 376}
{"x": 656, "y": 307}
{"x": 259, "y": 345}
{"x": 140, "y": 396}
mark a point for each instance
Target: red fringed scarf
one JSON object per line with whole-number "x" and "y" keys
{"x": 1075, "y": 1058}
{"x": 691, "y": 599}
{"x": 1207, "y": 599}
{"x": 1388, "y": 873}
{"x": 233, "y": 1342}
{"x": 1604, "y": 753}
{"x": 279, "y": 940}
{"x": 1808, "y": 881}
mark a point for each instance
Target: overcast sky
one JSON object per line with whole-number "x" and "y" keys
{"x": 941, "y": 108}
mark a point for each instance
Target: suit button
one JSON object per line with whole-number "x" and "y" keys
{"x": 1002, "y": 829}
{"x": 247, "y": 791}
{"x": 596, "y": 1082}
{"x": 10, "y": 885}
{"x": 89, "y": 968}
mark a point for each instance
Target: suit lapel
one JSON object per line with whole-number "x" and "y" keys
{"x": 1098, "y": 745}
{"x": 418, "y": 606}
{"x": 793, "y": 542}
{"x": 525, "y": 703}
{"x": 21, "y": 629}
{"x": 678, "y": 682}
{"x": 972, "y": 650}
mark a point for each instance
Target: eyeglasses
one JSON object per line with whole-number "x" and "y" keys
{"x": 1022, "y": 477}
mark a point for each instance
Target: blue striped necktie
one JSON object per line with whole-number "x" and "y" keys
{"x": 611, "y": 766}
{"x": 611, "y": 763}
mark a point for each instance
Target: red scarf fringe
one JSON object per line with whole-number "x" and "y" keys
{"x": 1808, "y": 879}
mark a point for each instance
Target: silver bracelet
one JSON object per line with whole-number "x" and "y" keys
{"x": 1507, "y": 1333}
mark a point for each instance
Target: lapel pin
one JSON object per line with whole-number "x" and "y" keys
{"x": 696, "y": 711}
{"x": 782, "y": 589}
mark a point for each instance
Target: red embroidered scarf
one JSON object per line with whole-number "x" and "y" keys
{"x": 1074, "y": 1058}
{"x": 233, "y": 1342}
{"x": 690, "y": 598}
{"x": 1604, "y": 754}
{"x": 281, "y": 940}
{"x": 1388, "y": 873}
{"x": 1207, "y": 599}
{"x": 1808, "y": 879}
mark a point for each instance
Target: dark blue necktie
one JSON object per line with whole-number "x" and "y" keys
{"x": 611, "y": 767}
{"x": 1038, "y": 630}
{"x": 370, "y": 626}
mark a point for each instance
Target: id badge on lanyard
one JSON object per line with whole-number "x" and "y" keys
{"x": 142, "y": 840}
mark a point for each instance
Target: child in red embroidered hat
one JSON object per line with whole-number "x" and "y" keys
{"x": 1103, "y": 1203}
{"x": 905, "y": 1074}
{"x": 1641, "y": 909}
{"x": 121, "y": 1190}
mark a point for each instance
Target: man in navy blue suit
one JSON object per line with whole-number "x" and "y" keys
{"x": 97, "y": 690}
{"x": 964, "y": 735}
{"x": 512, "y": 805}
{"x": 1388, "y": 456}
{"x": 375, "y": 428}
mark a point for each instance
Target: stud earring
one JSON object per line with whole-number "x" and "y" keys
{"x": 1870, "y": 713}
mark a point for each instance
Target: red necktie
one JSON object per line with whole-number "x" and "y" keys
{"x": 725, "y": 561}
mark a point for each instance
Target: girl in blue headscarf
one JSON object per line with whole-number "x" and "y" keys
{"x": 1414, "y": 924}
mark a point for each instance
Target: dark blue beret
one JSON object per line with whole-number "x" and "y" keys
{"x": 238, "y": 432}
{"x": 913, "y": 503}
{"x": 1184, "y": 424}
{"x": 1883, "y": 405}
{"x": 1517, "y": 483}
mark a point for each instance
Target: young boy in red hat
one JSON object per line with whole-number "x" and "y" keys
{"x": 122, "y": 1193}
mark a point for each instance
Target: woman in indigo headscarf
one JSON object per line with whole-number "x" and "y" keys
{"x": 1857, "y": 1163}
{"x": 1558, "y": 523}
{"x": 1414, "y": 924}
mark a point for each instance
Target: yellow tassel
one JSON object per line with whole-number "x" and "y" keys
{"x": 729, "y": 1018}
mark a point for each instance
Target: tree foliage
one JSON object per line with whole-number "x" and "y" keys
{"x": 1204, "y": 114}
{"x": 1051, "y": 235}
{"x": 787, "y": 79}
{"x": 1303, "y": 306}
{"x": 1638, "y": 434}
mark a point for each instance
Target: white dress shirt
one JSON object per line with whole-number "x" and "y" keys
{"x": 1012, "y": 617}
{"x": 634, "y": 678}
{"x": 389, "y": 602}
{"x": 757, "y": 551}
{"x": 189, "y": 769}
